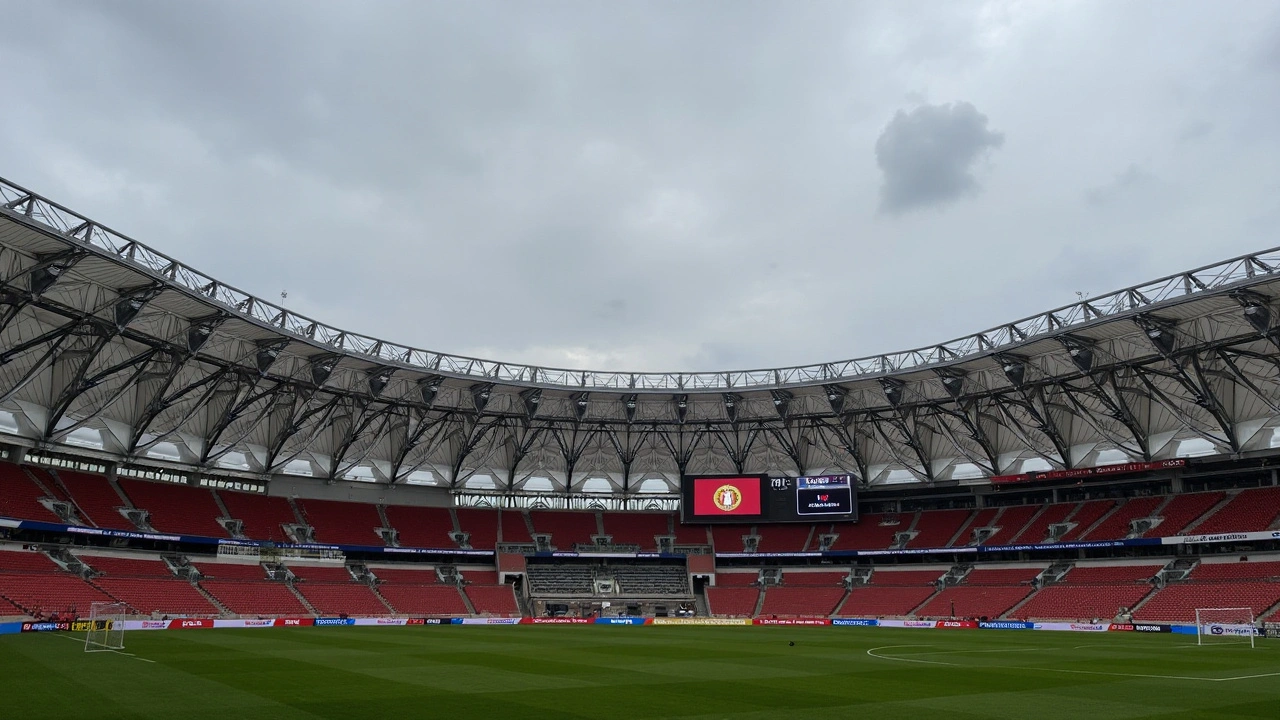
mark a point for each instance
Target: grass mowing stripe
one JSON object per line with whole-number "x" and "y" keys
{"x": 647, "y": 673}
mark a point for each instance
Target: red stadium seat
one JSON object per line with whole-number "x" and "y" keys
{"x": 422, "y": 527}
{"x": 732, "y": 601}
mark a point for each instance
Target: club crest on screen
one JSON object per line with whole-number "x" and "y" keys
{"x": 727, "y": 498}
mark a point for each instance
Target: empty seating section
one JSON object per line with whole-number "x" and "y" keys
{"x": 255, "y": 597}
{"x": 566, "y": 528}
{"x": 1010, "y": 522}
{"x": 974, "y": 601}
{"x": 514, "y": 526}
{"x": 1237, "y": 571}
{"x": 1112, "y": 574}
{"x": 425, "y": 527}
{"x": 829, "y": 579}
{"x": 637, "y": 528}
{"x": 176, "y": 508}
{"x": 482, "y": 525}
{"x": 26, "y": 562}
{"x": 652, "y": 580}
{"x": 1182, "y": 510}
{"x": 480, "y": 577}
{"x": 801, "y": 601}
{"x": 737, "y": 579}
{"x": 406, "y": 576}
{"x": 874, "y": 531}
{"x": 874, "y": 601}
{"x": 232, "y": 571}
{"x": 1081, "y": 602}
{"x": 1088, "y": 514}
{"x": 984, "y": 518}
{"x": 1002, "y": 576}
{"x": 728, "y": 538}
{"x": 348, "y": 598}
{"x": 1038, "y": 530}
{"x": 690, "y": 534}
{"x": 497, "y": 600}
{"x": 1249, "y": 511}
{"x": 423, "y": 599}
{"x": 1116, "y": 525}
{"x": 783, "y": 538}
{"x": 165, "y": 596}
{"x": 127, "y": 567}
{"x": 343, "y": 523}
{"x": 732, "y": 601}
{"x": 936, "y": 528}
{"x": 50, "y": 592}
{"x": 560, "y": 579}
{"x": 19, "y": 496}
{"x": 1177, "y": 602}
{"x": 906, "y": 577}
{"x": 262, "y": 515}
{"x": 321, "y": 573}
{"x": 96, "y": 499}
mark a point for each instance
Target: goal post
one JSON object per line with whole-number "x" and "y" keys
{"x": 1216, "y": 626}
{"x": 106, "y": 626}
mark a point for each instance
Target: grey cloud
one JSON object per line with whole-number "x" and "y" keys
{"x": 638, "y": 185}
{"x": 927, "y": 155}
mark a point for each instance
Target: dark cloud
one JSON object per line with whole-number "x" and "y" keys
{"x": 927, "y": 155}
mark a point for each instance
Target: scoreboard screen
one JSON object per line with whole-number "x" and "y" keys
{"x": 750, "y": 499}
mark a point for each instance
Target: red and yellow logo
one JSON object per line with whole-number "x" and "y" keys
{"x": 727, "y": 498}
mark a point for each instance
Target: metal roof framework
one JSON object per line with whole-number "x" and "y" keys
{"x": 109, "y": 345}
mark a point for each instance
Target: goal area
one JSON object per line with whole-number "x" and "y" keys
{"x": 1217, "y": 626}
{"x": 106, "y": 627}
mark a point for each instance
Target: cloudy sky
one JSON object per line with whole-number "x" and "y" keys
{"x": 657, "y": 185}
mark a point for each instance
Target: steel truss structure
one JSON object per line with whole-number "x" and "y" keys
{"x": 112, "y": 349}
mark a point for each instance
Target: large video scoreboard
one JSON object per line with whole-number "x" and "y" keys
{"x": 749, "y": 499}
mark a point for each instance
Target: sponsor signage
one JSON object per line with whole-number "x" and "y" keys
{"x": 701, "y": 621}
{"x": 294, "y": 622}
{"x": 621, "y": 621}
{"x": 1223, "y": 537}
{"x": 1006, "y": 625}
{"x": 558, "y": 621}
{"x": 791, "y": 621}
{"x": 190, "y": 624}
{"x": 486, "y": 621}
{"x": 45, "y": 626}
{"x": 329, "y": 622}
{"x": 1139, "y": 627}
{"x": 436, "y": 621}
{"x": 854, "y": 622}
{"x": 1100, "y": 471}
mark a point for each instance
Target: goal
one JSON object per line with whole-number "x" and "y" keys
{"x": 1216, "y": 626}
{"x": 106, "y": 626}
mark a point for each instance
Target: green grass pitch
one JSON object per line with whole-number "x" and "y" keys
{"x": 626, "y": 672}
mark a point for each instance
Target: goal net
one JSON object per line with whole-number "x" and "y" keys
{"x": 1216, "y": 626}
{"x": 106, "y": 626}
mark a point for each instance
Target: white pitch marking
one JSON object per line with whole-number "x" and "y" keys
{"x": 965, "y": 652}
{"x": 118, "y": 652}
{"x": 872, "y": 653}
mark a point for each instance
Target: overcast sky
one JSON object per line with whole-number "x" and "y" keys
{"x": 657, "y": 185}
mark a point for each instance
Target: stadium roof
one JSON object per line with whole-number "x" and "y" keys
{"x": 112, "y": 348}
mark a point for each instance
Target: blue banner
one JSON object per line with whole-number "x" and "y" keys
{"x": 855, "y": 622}
{"x": 619, "y": 621}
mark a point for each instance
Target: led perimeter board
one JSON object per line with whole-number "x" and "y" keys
{"x": 750, "y": 499}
